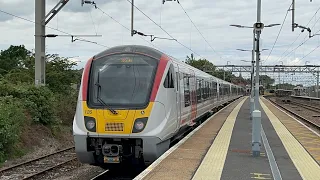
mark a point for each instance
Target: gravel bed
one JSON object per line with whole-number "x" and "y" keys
{"x": 299, "y": 109}
{"x": 83, "y": 172}
{"x": 37, "y": 166}
{"x": 61, "y": 172}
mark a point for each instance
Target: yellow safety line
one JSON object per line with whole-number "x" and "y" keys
{"x": 304, "y": 163}
{"x": 212, "y": 165}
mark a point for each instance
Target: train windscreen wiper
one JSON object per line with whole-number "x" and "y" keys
{"x": 99, "y": 98}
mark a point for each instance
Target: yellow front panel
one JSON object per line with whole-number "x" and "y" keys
{"x": 121, "y": 123}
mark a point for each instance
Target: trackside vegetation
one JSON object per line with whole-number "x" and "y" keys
{"x": 22, "y": 105}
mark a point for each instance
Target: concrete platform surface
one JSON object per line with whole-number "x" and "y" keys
{"x": 182, "y": 160}
{"x": 221, "y": 148}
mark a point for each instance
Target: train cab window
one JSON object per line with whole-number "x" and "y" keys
{"x": 133, "y": 71}
{"x": 169, "y": 81}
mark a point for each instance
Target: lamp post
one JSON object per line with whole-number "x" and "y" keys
{"x": 241, "y": 26}
{"x": 255, "y": 49}
{"x": 252, "y": 104}
{"x": 256, "y": 114}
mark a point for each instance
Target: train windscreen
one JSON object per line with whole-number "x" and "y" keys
{"x": 122, "y": 80}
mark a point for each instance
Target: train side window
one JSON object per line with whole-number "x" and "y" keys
{"x": 186, "y": 90}
{"x": 207, "y": 89}
{"x": 169, "y": 81}
{"x": 198, "y": 90}
{"x": 215, "y": 90}
{"x": 211, "y": 92}
{"x": 203, "y": 95}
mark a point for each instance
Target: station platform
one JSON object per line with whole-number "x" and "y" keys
{"x": 220, "y": 148}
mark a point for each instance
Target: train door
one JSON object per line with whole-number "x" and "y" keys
{"x": 178, "y": 93}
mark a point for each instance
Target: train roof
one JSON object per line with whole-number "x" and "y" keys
{"x": 133, "y": 49}
{"x": 157, "y": 54}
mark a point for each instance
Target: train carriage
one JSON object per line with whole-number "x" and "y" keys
{"x": 134, "y": 100}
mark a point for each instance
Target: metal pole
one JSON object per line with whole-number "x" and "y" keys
{"x": 317, "y": 88}
{"x": 40, "y": 10}
{"x": 293, "y": 6}
{"x": 132, "y": 8}
{"x": 257, "y": 57}
{"x": 259, "y": 11}
{"x": 257, "y": 73}
{"x": 256, "y": 114}
{"x": 252, "y": 76}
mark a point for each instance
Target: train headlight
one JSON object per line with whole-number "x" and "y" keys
{"x": 90, "y": 123}
{"x": 139, "y": 125}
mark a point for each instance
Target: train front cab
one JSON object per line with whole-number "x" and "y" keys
{"x": 124, "y": 130}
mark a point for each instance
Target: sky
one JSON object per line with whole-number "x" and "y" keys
{"x": 217, "y": 42}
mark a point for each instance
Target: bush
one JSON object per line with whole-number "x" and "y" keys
{"x": 65, "y": 106}
{"x": 39, "y": 101}
{"x": 11, "y": 117}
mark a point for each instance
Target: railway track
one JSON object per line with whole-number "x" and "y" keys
{"x": 306, "y": 106}
{"x": 35, "y": 167}
{"x": 312, "y": 122}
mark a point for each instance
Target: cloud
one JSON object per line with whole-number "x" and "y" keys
{"x": 211, "y": 17}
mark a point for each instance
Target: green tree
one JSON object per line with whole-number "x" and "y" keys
{"x": 13, "y": 58}
{"x": 266, "y": 81}
{"x": 201, "y": 64}
{"x": 60, "y": 75}
{"x": 207, "y": 66}
{"x": 17, "y": 65}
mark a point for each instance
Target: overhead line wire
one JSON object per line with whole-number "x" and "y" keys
{"x": 125, "y": 26}
{"x": 198, "y": 29}
{"x": 299, "y": 36}
{"x": 163, "y": 29}
{"x": 284, "y": 20}
{"x": 81, "y": 39}
{"x": 300, "y": 45}
{"x": 310, "y": 52}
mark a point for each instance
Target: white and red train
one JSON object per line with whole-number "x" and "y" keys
{"x": 134, "y": 100}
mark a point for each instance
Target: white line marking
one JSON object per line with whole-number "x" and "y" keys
{"x": 294, "y": 118}
{"x": 173, "y": 148}
{"x": 273, "y": 164}
{"x": 99, "y": 175}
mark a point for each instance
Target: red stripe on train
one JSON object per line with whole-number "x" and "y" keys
{"x": 160, "y": 71}
{"x": 85, "y": 79}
